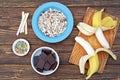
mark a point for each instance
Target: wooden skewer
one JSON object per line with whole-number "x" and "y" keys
{"x": 23, "y": 24}
{"x": 25, "y": 27}
{"x": 22, "y": 18}
{"x": 26, "y": 32}
{"x": 24, "y": 21}
{"x": 20, "y": 25}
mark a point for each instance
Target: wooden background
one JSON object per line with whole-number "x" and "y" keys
{"x": 19, "y": 68}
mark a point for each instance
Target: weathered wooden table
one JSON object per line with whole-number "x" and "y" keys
{"x": 19, "y": 68}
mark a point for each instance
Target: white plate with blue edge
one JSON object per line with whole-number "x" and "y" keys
{"x": 53, "y": 5}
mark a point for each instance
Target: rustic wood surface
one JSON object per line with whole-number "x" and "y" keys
{"x": 19, "y": 68}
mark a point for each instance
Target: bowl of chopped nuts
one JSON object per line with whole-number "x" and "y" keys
{"x": 52, "y": 22}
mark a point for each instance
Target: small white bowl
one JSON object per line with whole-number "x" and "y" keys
{"x": 37, "y": 52}
{"x": 14, "y": 44}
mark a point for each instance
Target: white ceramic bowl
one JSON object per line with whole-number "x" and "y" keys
{"x": 37, "y": 52}
{"x": 13, "y": 47}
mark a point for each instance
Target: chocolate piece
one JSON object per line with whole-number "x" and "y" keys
{"x": 46, "y": 51}
{"x": 45, "y": 61}
{"x": 35, "y": 60}
{"x": 51, "y": 59}
{"x": 53, "y": 54}
{"x": 40, "y": 63}
{"x": 40, "y": 70}
{"x": 53, "y": 66}
{"x": 43, "y": 56}
{"x": 47, "y": 66}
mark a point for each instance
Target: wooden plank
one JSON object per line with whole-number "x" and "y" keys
{"x": 32, "y": 38}
{"x": 12, "y": 16}
{"x": 70, "y": 3}
{"x": 66, "y": 48}
{"x": 64, "y": 72}
{"x": 7, "y": 56}
{"x": 78, "y": 51}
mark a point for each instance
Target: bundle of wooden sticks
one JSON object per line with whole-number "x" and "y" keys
{"x": 23, "y": 24}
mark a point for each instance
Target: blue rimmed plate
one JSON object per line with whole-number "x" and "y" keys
{"x": 45, "y": 7}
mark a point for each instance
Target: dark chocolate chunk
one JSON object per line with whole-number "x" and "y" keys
{"x": 45, "y": 61}
{"x": 53, "y": 66}
{"x": 47, "y": 66}
{"x": 40, "y": 70}
{"x": 35, "y": 60}
{"x": 43, "y": 56}
{"x": 53, "y": 54}
{"x": 40, "y": 63}
{"x": 46, "y": 51}
{"x": 51, "y": 59}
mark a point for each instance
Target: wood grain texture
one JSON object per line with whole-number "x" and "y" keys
{"x": 19, "y": 68}
{"x": 70, "y": 3}
{"x": 7, "y": 56}
{"x": 26, "y": 72}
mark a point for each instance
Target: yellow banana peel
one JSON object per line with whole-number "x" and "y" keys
{"x": 105, "y": 24}
{"x": 96, "y": 21}
{"x": 93, "y": 61}
{"x": 107, "y": 51}
{"x": 114, "y": 23}
{"x": 108, "y": 22}
{"x": 93, "y": 66}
